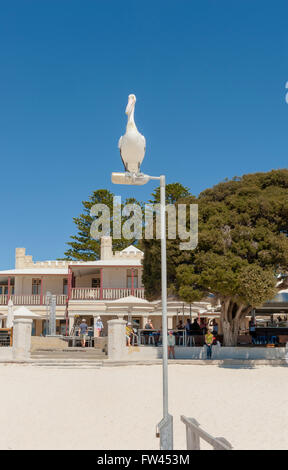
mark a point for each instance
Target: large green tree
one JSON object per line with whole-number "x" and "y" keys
{"x": 175, "y": 193}
{"x": 242, "y": 254}
{"x": 83, "y": 247}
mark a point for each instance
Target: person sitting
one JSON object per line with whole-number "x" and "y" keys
{"x": 209, "y": 339}
{"x": 129, "y": 333}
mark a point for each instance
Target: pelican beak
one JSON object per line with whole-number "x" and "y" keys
{"x": 131, "y": 102}
{"x": 129, "y": 106}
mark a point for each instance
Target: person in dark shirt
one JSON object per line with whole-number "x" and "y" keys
{"x": 83, "y": 330}
{"x": 195, "y": 327}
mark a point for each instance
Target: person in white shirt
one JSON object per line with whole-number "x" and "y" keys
{"x": 98, "y": 327}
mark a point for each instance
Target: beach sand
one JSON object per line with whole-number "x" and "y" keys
{"x": 119, "y": 407}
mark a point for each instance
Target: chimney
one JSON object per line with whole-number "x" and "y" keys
{"x": 20, "y": 257}
{"x": 106, "y": 248}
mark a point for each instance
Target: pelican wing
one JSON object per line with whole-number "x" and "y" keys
{"x": 119, "y": 146}
{"x": 144, "y": 142}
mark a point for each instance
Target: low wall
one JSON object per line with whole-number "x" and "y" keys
{"x": 150, "y": 353}
{"x": 38, "y": 342}
{"x": 6, "y": 354}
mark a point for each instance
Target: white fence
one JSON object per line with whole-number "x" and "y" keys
{"x": 86, "y": 293}
{"x": 30, "y": 299}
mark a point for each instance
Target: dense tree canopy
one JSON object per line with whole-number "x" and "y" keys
{"x": 242, "y": 251}
{"x": 175, "y": 194}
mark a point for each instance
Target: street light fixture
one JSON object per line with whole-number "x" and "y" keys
{"x": 132, "y": 155}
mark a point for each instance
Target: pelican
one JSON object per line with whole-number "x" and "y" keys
{"x": 132, "y": 144}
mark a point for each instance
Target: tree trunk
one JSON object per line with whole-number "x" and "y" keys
{"x": 230, "y": 332}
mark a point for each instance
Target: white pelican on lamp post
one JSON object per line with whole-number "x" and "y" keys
{"x": 132, "y": 149}
{"x": 132, "y": 144}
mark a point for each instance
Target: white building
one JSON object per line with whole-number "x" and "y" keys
{"x": 109, "y": 288}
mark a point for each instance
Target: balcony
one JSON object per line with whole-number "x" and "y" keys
{"x": 107, "y": 293}
{"x": 30, "y": 299}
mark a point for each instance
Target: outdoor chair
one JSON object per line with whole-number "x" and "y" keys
{"x": 142, "y": 339}
{"x": 151, "y": 339}
{"x": 181, "y": 340}
{"x": 190, "y": 341}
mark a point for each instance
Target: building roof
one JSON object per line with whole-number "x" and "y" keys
{"x": 110, "y": 262}
{"x": 32, "y": 271}
{"x": 131, "y": 249}
{"x": 24, "y": 312}
{"x": 64, "y": 271}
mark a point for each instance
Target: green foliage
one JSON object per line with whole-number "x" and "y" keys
{"x": 243, "y": 244}
{"x": 82, "y": 246}
{"x": 174, "y": 193}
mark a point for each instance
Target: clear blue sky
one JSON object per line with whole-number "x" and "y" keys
{"x": 210, "y": 83}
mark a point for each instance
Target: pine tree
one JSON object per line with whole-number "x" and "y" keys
{"x": 83, "y": 247}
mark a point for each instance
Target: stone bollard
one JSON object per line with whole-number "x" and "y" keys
{"x": 22, "y": 329}
{"x": 116, "y": 339}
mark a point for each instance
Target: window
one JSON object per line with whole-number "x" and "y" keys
{"x": 96, "y": 283}
{"x": 36, "y": 286}
{"x": 4, "y": 289}
{"x": 65, "y": 286}
{"x": 129, "y": 278}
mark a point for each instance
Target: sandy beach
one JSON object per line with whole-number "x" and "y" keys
{"x": 118, "y": 407}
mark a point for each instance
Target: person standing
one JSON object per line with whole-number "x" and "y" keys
{"x": 83, "y": 330}
{"x": 209, "y": 338}
{"x": 148, "y": 326}
{"x": 171, "y": 344}
{"x": 98, "y": 327}
{"x": 188, "y": 331}
{"x": 215, "y": 327}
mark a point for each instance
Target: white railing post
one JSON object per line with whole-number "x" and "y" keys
{"x": 194, "y": 433}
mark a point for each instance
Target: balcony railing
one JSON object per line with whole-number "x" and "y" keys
{"x": 77, "y": 293}
{"x": 107, "y": 293}
{"x": 30, "y": 299}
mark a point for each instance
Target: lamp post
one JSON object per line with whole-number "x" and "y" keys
{"x": 165, "y": 427}
{"x": 132, "y": 147}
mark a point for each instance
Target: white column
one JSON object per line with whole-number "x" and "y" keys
{"x": 116, "y": 339}
{"x": 22, "y": 329}
{"x": 170, "y": 323}
{"x": 71, "y": 323}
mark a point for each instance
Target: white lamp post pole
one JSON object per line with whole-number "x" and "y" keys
{"x": 132, "y": 147}
{"x": 165, "y": 427}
